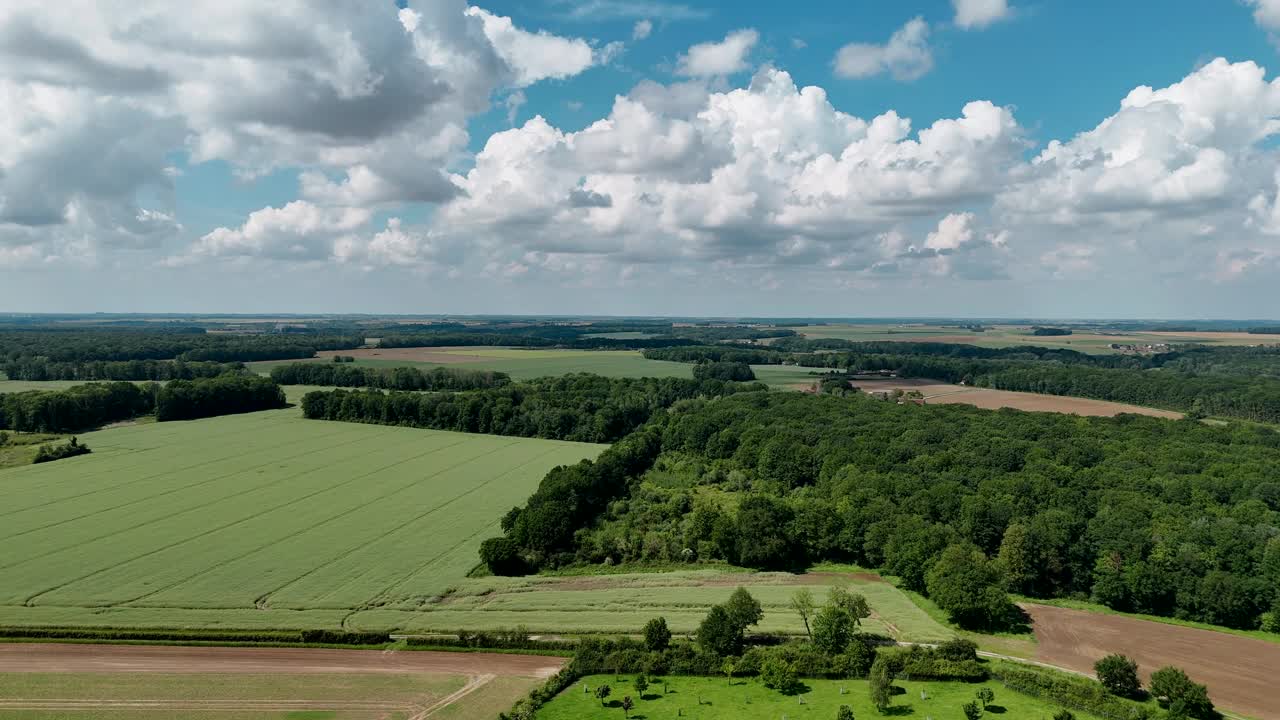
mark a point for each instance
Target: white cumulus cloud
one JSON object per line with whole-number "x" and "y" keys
{"x": 719, "y": 58}
{"x": 906, "y": 56}
{"x": 975, "y": 14}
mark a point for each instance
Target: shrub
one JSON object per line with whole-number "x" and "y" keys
{"x": 1171, "y": 685}
{"x": 958, "y": 650}
{"x": 780, "y": 675}
{"x": 49, "y": 453}
{"x": 1070, "y": 691}
{"x": 1119, "y": 675}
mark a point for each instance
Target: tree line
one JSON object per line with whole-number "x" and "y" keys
{"x": 339, "y": 374}
{"x": 84, "y": 407}
{"x": 1170, "y": 518}
{"x": 584, "y": 408}
{"x": 193, "y": 345}
{"x": 42, "y": 369}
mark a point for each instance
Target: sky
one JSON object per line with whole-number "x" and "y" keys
{"x": 855, "y": 158}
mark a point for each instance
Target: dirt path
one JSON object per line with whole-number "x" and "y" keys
{"x": 473, "y": 684}
{"x": 1241, "y": 672}
{"x": 71, "y": 658}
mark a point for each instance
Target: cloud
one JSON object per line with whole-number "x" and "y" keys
{"x": 1266, "y": 13}
{"x": 599, "y": 10}
{"x": 296, "y": 231}
{"x": 513, "y": 103}
{"x": 535, "y": 56}
{"x": 978, "y": 14}
{"x": 719, "y": 58}
{"x": 906, "y": 56}
{"x": 642, "y": 29}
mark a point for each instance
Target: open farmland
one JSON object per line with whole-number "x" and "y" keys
{"x": 1011, "y": 335}
{"x": 624, "y": 602}
{"x": 263, "y": 520}
{"x": 938, "y": 393}
{"x": 96, "y": 682}
{"x": 1239, "y": 671}
{"x": 520, "y": 363}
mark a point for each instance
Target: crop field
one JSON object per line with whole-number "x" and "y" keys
{"x": 624, "y": 602}
{"x": 1010, "y": 335}
{"x": 263, "y": 520}
{"x": 938, "y": 393}
{"x": 521, "y": 364}
{"x": 700, "y": 698}
{"x": 102, "y": 682}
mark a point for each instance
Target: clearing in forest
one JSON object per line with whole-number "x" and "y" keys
{"x": 940, "y": 393}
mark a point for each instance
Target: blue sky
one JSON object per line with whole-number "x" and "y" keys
{"x": 642, "y": 157}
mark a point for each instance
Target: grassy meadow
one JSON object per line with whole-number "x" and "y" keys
{"x": 521, "y": 364}
{"x": 255, "y": 521}
{"x": 622, "y": 603}
{"x": 746, "y": 699}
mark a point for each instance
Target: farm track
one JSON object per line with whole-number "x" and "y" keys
{"x": 1239, "y": 671}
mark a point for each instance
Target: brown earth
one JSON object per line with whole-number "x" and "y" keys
{"x": 73, "y": 658}
{"x": 1241, "y": 672}
{"x": 417, "y": 354}
{"x": 937, "y": 393}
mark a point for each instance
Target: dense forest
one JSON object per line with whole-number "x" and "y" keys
{"x": 40, "y": 369}
{"x": 84, "y": 407}
{"x": 189, "y": 344}
{"x": 1145, "y": 515}
{"x": 400, "y": 378}
{"x": 584, "y": 408}
{"x": 223, "y": 395}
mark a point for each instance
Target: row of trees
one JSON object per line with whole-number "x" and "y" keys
{"x": 585, "y": 408}
{"x": 341, "y": 374}
{"x": 93, "y": 405}
{"x": 42, "y": 369}
{"x": 191, "y": 344}
{"x": 229, "y": 394}
{"x": 1145, "y": 515}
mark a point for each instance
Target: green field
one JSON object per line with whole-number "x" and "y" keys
{"x": 1010, "y": 335}
{"x": 624, "y": 602}
{"x": 258, "y": 521}
{"x": 525, "y": 364}
{"x": 241, "y": 696}
{"x": 746, "y": 699}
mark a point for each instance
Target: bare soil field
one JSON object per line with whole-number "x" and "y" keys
{"x": 1239, "y": 671}
{"x": 937, "y": 393}
{"x": 69, "y": 657}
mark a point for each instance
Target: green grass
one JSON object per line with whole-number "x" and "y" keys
{"x": 747, "y": 699}
{"x": 263, "y": 520}
{"x": 622, "y": 603}
{"x": 20, "y": 448}
{"x": 240, "y": 695}
{"x": 526, "y": 364}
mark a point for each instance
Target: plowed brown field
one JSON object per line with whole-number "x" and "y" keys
{"x": 1241, "y": 672}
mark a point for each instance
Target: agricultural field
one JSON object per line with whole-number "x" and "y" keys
{"x": 101, "y": 682}
{"x": 1239, "y": 671}
{"x": 520, "y": 363}
{"x": 938, "y": 393}
{"x": 263, "y": 520}
{"x": 624, "y": 602}
{"x": 742, "y": 699}
{"x": 1010, "y": 335}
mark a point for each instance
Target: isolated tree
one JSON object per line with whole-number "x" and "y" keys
{"x": 880, "y": 685}
{"x": 728, "y": 667}
{"x": 744, "y": 610}
{"x": 603, "y": 692}
{"x": 986, "y": 697}
{"x": 802, "y": 603}
{"x": 832, "y": 629}
{"x": 844, "y": 713}
{"x": 657, "y": 636}
{"x": 718, "y": 634}
{"x": 626, "y": 706}
{"x": 855, "y": 603}
{"x": 1119, "y": 675}
{"x": 971, "y": 710}
{"x": 779, "y": 675}
{"x": 1171, "y": 685}
{"x": 642, "y": 684}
